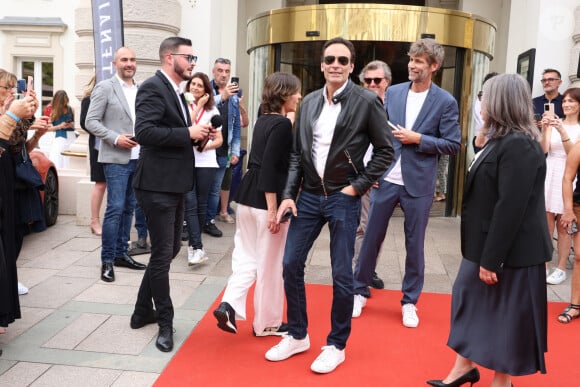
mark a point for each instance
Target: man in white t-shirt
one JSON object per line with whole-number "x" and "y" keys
{"x": 426, "y": 118}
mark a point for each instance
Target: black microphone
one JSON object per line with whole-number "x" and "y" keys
{"x": 216, "y": 122}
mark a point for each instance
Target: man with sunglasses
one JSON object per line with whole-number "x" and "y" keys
{"x": 375, "y": 76}
{"x": 333, "y": 130}
{"x": 551, "y": 81}
{"x": 164, "y": 174}
{"x": 426, "y": 118}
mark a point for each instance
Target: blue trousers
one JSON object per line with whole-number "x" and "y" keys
{"x": 416, "y": 209}
{"x": 342, "y": 213}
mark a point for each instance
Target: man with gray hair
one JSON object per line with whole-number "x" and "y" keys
{"x": 426, "y": 126}
{"x": 375, "y": 76}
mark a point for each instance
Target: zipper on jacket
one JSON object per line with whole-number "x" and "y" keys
{"x": 350, "y": 160}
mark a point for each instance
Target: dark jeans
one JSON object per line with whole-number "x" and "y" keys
{"x": 119, "y": 212}
{"x": 416, "y": 209}
{"x": 196, "y": 204}
{"x": 164, "y": 213}
{"x": 213, "y": 198}
{"x": 342, "y": 212}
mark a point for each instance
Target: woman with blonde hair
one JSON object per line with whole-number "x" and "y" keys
{"x": 62, "y": 118}
{"x": 97, "y": 173}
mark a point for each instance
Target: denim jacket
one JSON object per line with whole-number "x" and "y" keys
{"x": 234, "y": 131}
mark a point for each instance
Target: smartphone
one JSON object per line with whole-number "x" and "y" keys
{"x": 393, "y": 126}
{"x": 549, "y": 107}
{"x": 573, "y": 229}
{"x": 21, "y": 86}
{"x": 286, "y": 217}
{"x": 236, "y": 81}
{"x": 30, "y": 84}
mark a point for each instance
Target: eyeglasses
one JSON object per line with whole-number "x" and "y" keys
{"x": 190, "y": 58}
{"x": 549, "y": 80}
{"x": 375, "y": 80}
{"x": 343, "y": 60}
{"x": 7, "y": 88}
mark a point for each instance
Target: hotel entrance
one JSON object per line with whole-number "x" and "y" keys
{"x": 291, "y": 40}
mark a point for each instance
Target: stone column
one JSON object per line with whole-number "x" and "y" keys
{"x": 146, "y": 24}
{"x": 575, "y": 51}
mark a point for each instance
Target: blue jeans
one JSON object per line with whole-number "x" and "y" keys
{"x": 213, "y": 199}
{"x": 140, "y": 223}
{"x": 342, "y": 212}
{"x": 119, "y": 212}
{"x": 196, "y": 204}
{"x": 416, "y": 210}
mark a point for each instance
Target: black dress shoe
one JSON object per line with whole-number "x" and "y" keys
{"x": 211, "y": 229}
{"x": 226, "y": 317}
{"x": 164, "y": 341}
{"x": 127, "y": 261}
{"x": 472, "y": 377}
{"x": 107, "y": 272}
{"x": 376, "y": 282}
{"x": 138, "y": 321}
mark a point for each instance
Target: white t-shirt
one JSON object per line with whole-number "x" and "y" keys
{"x": 207, "y": 158}
{"x": 414, "y": 104}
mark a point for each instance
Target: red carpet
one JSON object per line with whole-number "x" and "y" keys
{"x": 380, "y": 351}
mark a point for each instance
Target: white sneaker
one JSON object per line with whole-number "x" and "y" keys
{"x": 287, "y": 347}
{"x": 359, "y": 303}
{"x": 410, "y": 318}
{"x": 195, "y": 256}
{"x": 557, "y": 277}
{"x": 22, "y": 290}
{"x": 328, "y": 360}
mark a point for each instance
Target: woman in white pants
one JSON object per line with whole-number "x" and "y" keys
{"x": 259, "y": 240}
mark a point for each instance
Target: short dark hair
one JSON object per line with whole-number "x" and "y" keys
{"x": 339, "y": 40}
{"x": 552, "y": 71}
{"x": 489, "y": 76}
{"x": 278, "y": 87}
{"x": 206, "y": 86}
{"x": 171, "y": 44}
{"x": 223, "y": 61}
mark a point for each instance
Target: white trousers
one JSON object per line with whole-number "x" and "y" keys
{"x": 257, "y": 256}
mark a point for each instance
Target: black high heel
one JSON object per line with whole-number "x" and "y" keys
{"x": 472, "y": 377}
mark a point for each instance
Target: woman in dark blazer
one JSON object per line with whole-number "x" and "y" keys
{"x": 259, "y": 240}
{"x": 499, "y": 302}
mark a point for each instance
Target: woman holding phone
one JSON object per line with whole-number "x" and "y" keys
{"x": 558, "y": 138}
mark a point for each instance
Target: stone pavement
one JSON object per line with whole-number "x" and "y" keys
{"x": 75, "y": 328}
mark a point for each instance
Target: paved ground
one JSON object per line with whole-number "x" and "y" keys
{"x": 75, "y": 328}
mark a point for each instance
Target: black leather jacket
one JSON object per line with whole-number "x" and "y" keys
{"x": 362, "y": 120}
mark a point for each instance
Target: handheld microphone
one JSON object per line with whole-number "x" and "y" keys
{"x": 216, "y": 122}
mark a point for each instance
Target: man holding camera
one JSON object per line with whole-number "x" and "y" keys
{"x": 551, "y": 81}
{"x": 111, "y": 117}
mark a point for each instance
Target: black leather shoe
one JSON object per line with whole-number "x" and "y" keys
{"x": 107, "y": 272}
{"x": 211, "y": 229}
{"x": 164, "y": 341}
{"x": 127, "y": 261}
{"x": 376, "y": 282}
{"x": 138, "y": 321}
{"x": 226, "y": 317}
{"x": 472, "y": 377}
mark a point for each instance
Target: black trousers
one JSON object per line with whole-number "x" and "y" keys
{"x": 164, "y": 213}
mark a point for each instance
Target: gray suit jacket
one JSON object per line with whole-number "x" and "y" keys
{"x": 109, "y": 116}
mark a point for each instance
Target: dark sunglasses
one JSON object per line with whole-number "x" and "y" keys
{"x": 190, "y": 58}
{"x": 329, "y": 59}
{"x": 375, "y": 80}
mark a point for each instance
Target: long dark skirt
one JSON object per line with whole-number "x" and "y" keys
{"x": 9, "y": 303}
{"x": 502, "y": 327}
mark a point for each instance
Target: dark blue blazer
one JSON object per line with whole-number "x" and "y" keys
{"x": 440, "y": 135}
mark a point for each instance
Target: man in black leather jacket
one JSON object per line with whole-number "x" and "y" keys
{"x": 333, "y": 130}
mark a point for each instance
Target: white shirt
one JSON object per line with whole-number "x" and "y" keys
{"x": 207, "y": 158}
{"x": 414, "y": 104}
{"x": 323, "y": 131}
{"x": 130, "y": 93}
